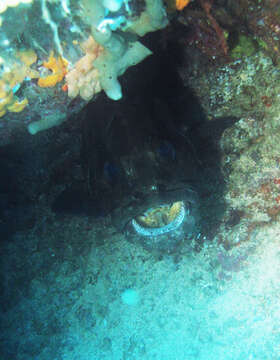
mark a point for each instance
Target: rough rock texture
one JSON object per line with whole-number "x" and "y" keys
{"x": 218, "y": 292}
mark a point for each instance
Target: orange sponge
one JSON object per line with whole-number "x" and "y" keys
{"x": 58, "y": 66}
{"x": 180, "y": 4}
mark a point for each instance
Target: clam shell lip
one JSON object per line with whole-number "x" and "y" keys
{"x": 156, "y": 231}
